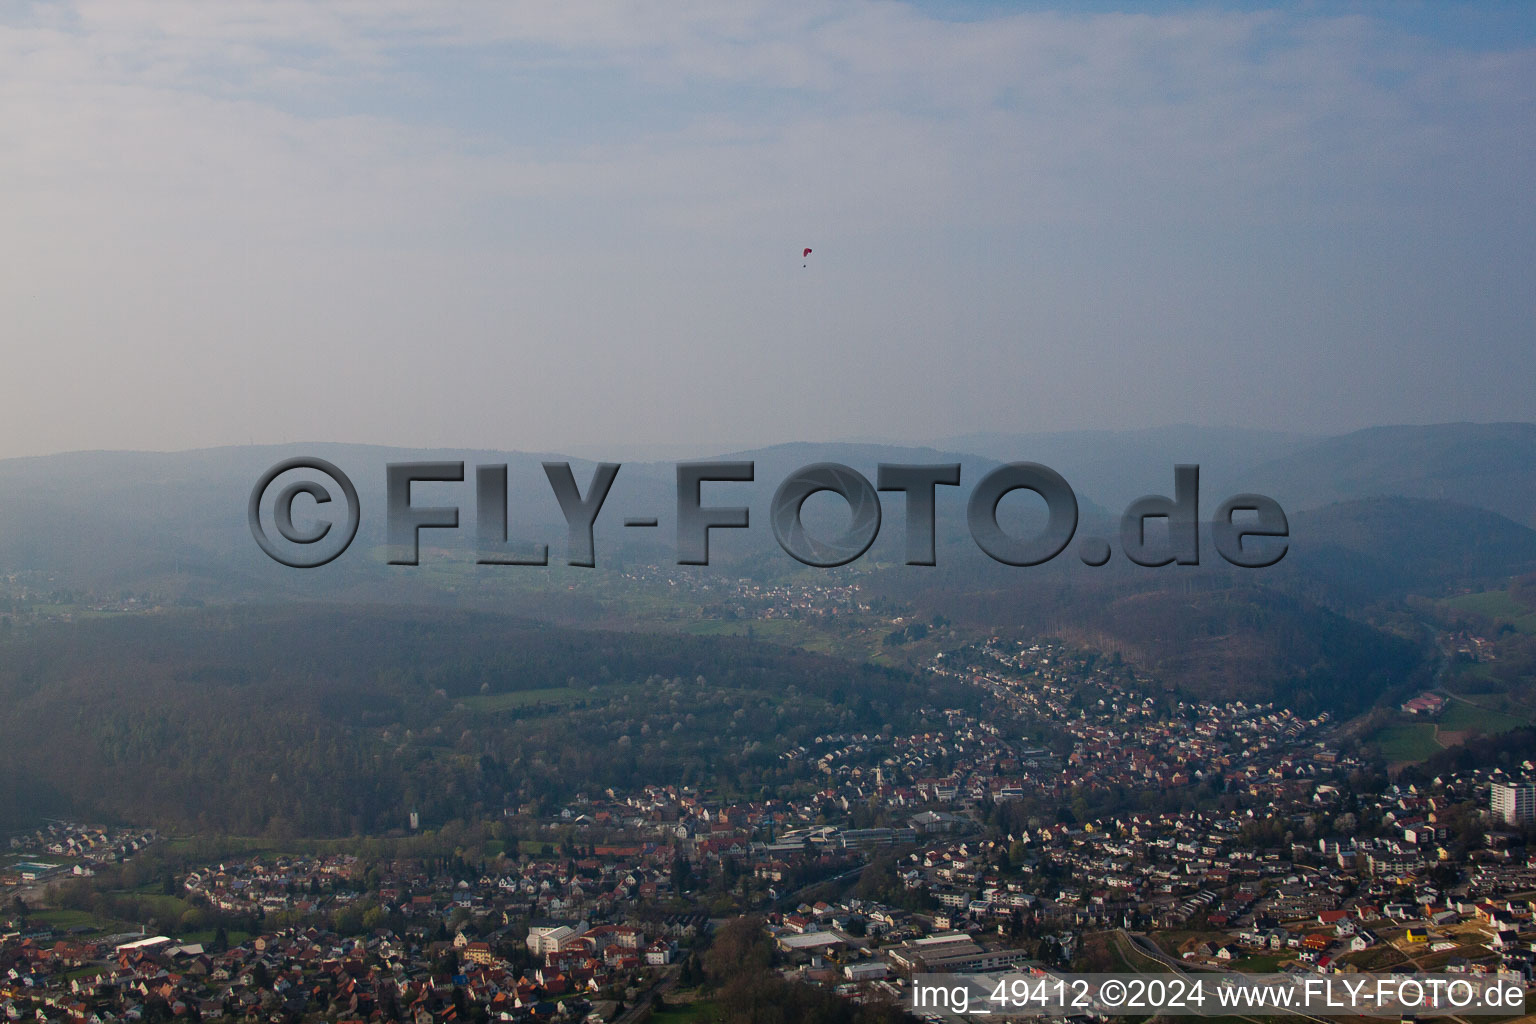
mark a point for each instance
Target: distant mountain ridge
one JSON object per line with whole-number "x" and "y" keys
{"x": 1372, "y": 547}
{"x": 1490, "y": 465}
{"x": 1118, "y": 466}
{"x": 1369, "y": 528}
{"x": 119, "y": 519}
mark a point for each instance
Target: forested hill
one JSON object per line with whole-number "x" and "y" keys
{"x": 333, "y": 720}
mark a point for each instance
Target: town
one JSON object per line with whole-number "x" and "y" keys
{"x": 1084, "y": 818}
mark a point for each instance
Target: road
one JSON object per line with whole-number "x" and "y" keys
{"x": 643, "y": 1002}
{"x": 792, "y": 899}
{"x": 1148, "y": 948}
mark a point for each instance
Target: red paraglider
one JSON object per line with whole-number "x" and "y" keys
{"x": 804, "y": 255}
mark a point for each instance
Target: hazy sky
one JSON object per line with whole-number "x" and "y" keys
{"x": 545, "y": 225}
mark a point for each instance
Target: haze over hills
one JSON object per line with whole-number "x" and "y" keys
{"x": 1490, "y": 465}
{"x": 1118, "y": 466}
{"x": 107, "y": 516}
{"x": 175, "y": 522}
{"x": 1323, "y": 628}
{"x": 1373, "y": 549}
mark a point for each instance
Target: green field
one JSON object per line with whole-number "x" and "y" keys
{"x": 686, "y": 1013}
{"x": 63, "y": 920}
{"x": 207, "y": 935}
{"x": 494, "y": 703}
{"x": 1411, "y": 741}
{"x": 167, "y": 908}
{"x": 66, "y": 920}
{"x": 1462, "y": 715}
{"x": 1262, "y": 964}
{"x": 789, "y": 632}
{"x": 1497, "y": 604}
